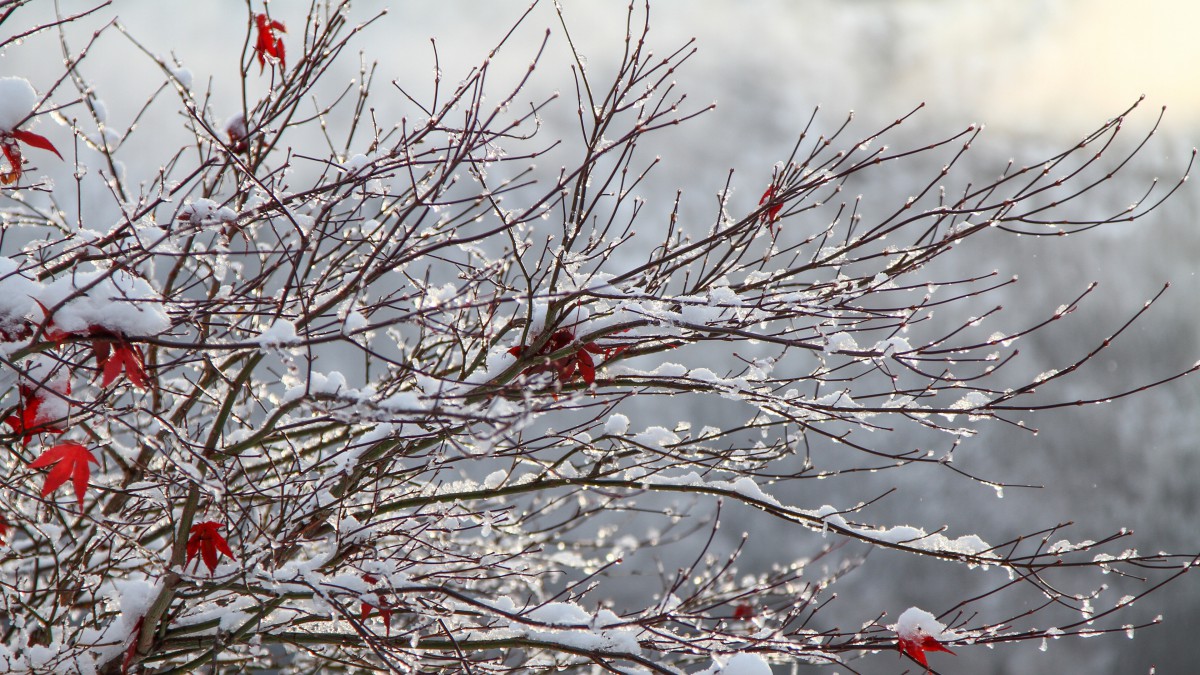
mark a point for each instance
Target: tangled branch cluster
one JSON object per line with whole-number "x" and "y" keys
{"x": 403, "y": 396}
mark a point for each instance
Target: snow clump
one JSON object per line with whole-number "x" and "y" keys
{"x": 915, "y": 624}
{"x": 111, "y": 299}
{"x": 17, "y": 99}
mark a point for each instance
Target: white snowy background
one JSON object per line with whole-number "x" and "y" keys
{"x": 1039, "y": 73}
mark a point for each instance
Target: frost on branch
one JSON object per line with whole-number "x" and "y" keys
{"x": 368, "y": 387}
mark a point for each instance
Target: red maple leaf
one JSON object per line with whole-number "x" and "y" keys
{"x": 71, "y": 461}
{"x": 113, "y": 351}
{"x": 3, "y": 529}
{"x": 918, "y": 645}
{"x": 744, "y": 611}
{"x": 385, "y": 612}
{"x": 565, "y": 366}
{"x": 29, "y": 420}
{"x": 53, "y": 333}
{"x": 772, "y": 213}
{"x": 12, "y": 151}
{"x": 115, "y": 354}
{"x": 268, "y": 43}
{"x": 205, "y": 539}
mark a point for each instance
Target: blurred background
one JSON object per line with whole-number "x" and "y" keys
{"x": 1040, "y": 74}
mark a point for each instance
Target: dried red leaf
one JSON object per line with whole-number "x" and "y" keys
{"x": 114, "y": 355}
{"x": 28, "y": 420}
{"x": 268, "y": 44}
{"x": 12, "y": 151}
{"x": 565, "y": 367}
{"x": 917, "y": 647}
{"x": 385, "y": 612}
{"x": 772, "y": 213}
{"x": 743, "y": 611}
{"x": 3, "y": 529}
{"x": 131, "y": 650}
{"x": 53, "y": 333}
{"x": 71, "y": 461}
{"x": 587, "y": 367}
{"x": 613, "y": 352}
{"x": 608, "y": 352}
{"x": 239, "y": 139}
{"x": 126, "y": 357}
{"x": 204, "y": 538}
{"x": 35, "y": 140}
{"x": 592, "y": 348}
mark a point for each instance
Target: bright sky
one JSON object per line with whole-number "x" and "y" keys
{"x": 1009, "y": 63}
{"x": 1101, "y": 54}
{"x": 1048, "y": 58}
{"x": 1058, "y": 67}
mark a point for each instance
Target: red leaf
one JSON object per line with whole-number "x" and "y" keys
{"x": 71, "y": 461}
{"x": 564, "y": 367}
{"x": 587, "y": 367}
{"x": 385, "y": 612}
{"x": 743, "y": 611}
{"x": 561, "y": 338}
{"x": 12, "y": 153}
{"x": 112, "y": 370}
{"x": 29, "y": 419}
{"x": 52, "y": 332}
{"x": 130, "y": 358}
{"x": 268, "y": 44}
{"x": 772, "y": 213}
{"x": 131, "y": 651}
{"x": 237, "y": 143}
{"x": 35, "y": 140}
{"x": 917, "y": 647}
{"x": 205, "y": 539}
{"x": 3, "y": 529}
{"x": 592, "y": 348}
{"x": 613, "y": 352}
{"x": 125, "y": 356}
